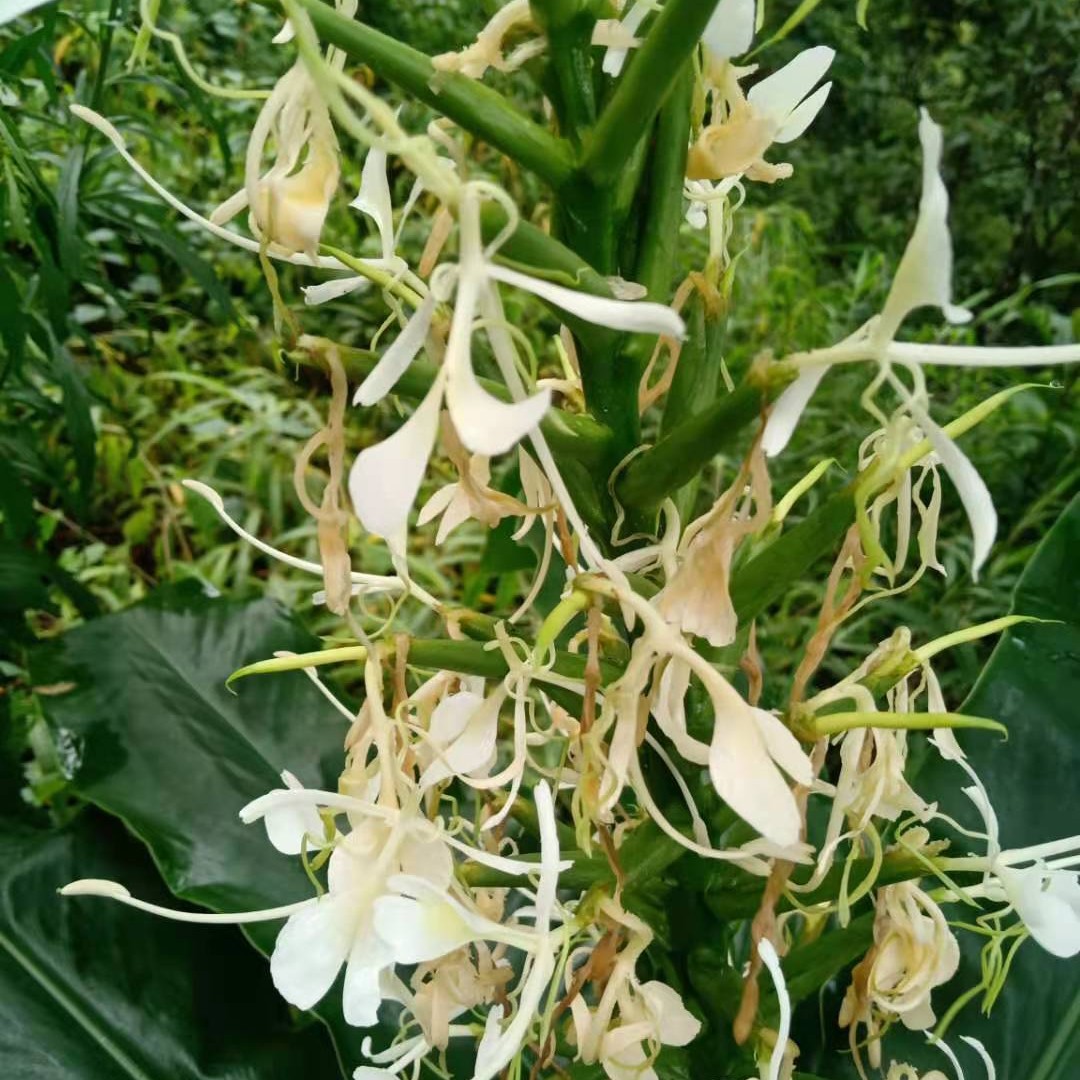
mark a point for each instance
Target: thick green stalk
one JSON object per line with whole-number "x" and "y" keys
{"x": 568, "y": 25}
{"x": 663, "y": 211}
{"x": 651, "y": 72}
{"x": 680, "y": 456}
{"x": 766, "y": 577}
{"x": 468, "y": 102}
{"x": 696, "y": 384}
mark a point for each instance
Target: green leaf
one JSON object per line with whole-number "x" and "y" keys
{"x": 1031, "y": 684}
{"x": 94, "y": 991}
{"x": 164, "y": 746}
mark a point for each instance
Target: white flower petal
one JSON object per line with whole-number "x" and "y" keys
{"x": 971, "y": 488}
{"x": 779, "y": 93}
{"x": 803, "y": 116}
{"x": 361, "y": 994}
{"x": 676, "y": 1025}
{"x": 924, "y": 276}
{"x": 385, "y": 478}
{"x": 284, "y": 35}
{"x": 311, "y": 948}
{"x": 420, "y": 930}
{"x": 289, "y": 824}
{"x": 789, "y": 408}
{"x": 497, "y": 1048}
{"x": 332, "y": 290}
{"x": 731, "y": 28}
{"x": 633, "y": 316}
{"x": 394, "y": 362}
{"x": 427, "y": 857}
{"x": 373, "y": 199}
{"x": 485, "y": 424}
{"x": 615, "y": 58}
{"x": 1049, "y": 903}
{"x": 468, "y": 725}
{"x": 783, "y": 747}
{"x": 746, "y": 778}
{"x": 438, "y": 502}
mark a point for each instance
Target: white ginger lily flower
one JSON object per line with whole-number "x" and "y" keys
{"x": 914, "y": 951}
{"x": 1048, "y": 903}
{"x": 469, "y": 497}
{"x": 385, "y": 478}
{"x": 697, "y": 599}
{"x": 924, "y": 277}
{"x": 425, "y": 923}
{"x": 778, "y": 109}
{"x": 650, "y": 1014}
{"x": 288, "y": 205}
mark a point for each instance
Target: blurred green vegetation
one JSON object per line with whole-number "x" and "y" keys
{"x": 136, "y": 351}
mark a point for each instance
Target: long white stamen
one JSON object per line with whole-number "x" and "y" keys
{"x": 982, "y": 355}
{"x": 371, "y": 582}
{"x": 772, "y": 962}
{"x": 991, "y": 1072}
{"x": 113, "y": 890}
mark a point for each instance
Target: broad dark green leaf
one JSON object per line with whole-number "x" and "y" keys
{"x": 1032, "y": 685}
{"x": 94, "y": 991}
{"x": 164, "y": 746}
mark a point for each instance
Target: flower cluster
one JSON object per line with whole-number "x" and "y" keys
{"x": 459, "y": 906}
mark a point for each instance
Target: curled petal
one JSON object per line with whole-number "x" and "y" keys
{"x": 373, "y": 199}
{"x": 971, "y": 488}
{"x": 772, "y": 962}
{"x": 924, "y": 276}
{"x": 332, "y": 290}
{"x": 746, "y": 778}
{"x": 783, "y": 747}
{"x": 633, "y": 316}
{"x": 789, "y": 408}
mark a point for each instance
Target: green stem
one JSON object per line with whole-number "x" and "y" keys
{"x": 469, "y": 103}
{"x": 664, "y": 208}
{"x": 680, "y": 456}
{"x": 650, "y": 74}
{"x": 568, "y": 25}
{"x": 834, "y": 723}
{"x": 766, "y": 577}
